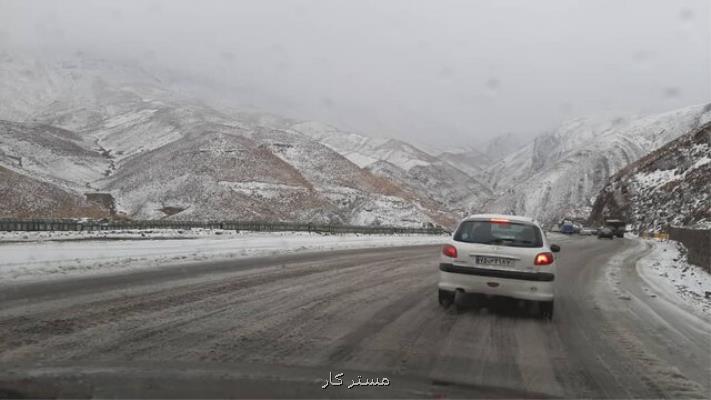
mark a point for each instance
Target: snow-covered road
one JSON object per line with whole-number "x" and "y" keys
{"x": 276, "y": 325}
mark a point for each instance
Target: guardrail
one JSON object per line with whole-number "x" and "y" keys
{"x": 697, "y": 241}
{"x": 91, "y": 225}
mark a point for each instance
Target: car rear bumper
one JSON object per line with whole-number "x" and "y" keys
{"x": 536, "y": 286}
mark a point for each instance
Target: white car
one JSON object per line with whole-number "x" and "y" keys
{"x": 499, "y": 255}
{"x": 588, "y": 231}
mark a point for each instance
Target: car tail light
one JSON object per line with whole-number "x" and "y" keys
{"x": 543, "y": 259}
{"x": 499, "y": 221}
{"x": 449, "y": 251}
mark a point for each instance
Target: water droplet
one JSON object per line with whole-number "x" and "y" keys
{"x": 327, "y": 102}
{"x": 227, "y": 56}
{"x": 446, "y": 72}
{"x": 642, "y": 56}
{"x": 686, "y": 14}
{"x": 493, "y": 85}
{"x": 566, "y": 107}
{"x": 672, "y": 92}
{"x": 619, "y": 120}
{"x": 116, "y": 13}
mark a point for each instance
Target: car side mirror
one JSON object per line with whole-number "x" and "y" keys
{"x": 555, "y": 248}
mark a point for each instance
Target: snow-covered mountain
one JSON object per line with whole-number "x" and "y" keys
{"x": 559, "y": 174}
{"x": 476, "y": 160}
{"x": 438, "y": 178}
{"x": 363, "y": 150}
{"x": 501, "y": 146}
{"x": 670, "y": 186}
{"x": 472, "y": 162}
{"x": 84, "y": 125}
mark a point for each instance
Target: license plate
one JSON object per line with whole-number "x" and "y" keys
{"x": 497, "y": 261}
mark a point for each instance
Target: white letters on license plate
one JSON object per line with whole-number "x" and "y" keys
{"x": 484, "y": 260}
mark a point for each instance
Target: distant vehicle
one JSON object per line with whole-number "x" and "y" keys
{"x": 499, "y": 255}
{"x": 588, "y": 231}
{"x": 567, "y": 227}
{"x": 617, "y": 226}
{"x": 605, "y": 232}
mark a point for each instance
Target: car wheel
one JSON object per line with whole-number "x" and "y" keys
{"x": 545, "y": 308}
{"x": 446, "y": 298}
{"x": 458, "y": 301}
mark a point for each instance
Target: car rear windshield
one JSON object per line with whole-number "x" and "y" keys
{"x": 499, "y": 233}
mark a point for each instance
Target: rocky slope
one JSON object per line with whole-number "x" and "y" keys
{"x": 24, "y": 197}
{"x": 52, "y": 154}
{"x": 559, "y": 174}
{"x": 670, "y": 186}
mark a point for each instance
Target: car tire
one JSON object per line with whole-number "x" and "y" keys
{"x": 446, "y": 298}
{"x": 545, "y": 309}
{"x": 458, "y": 301}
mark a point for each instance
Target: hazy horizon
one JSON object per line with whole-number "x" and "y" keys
{"x": 438, "y": 73}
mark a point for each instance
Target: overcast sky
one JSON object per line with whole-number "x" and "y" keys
{"x": 444, "y": 73}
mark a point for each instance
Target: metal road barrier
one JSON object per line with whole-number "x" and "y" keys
{"x": 7, "y": 224}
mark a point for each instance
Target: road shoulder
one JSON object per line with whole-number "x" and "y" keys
{"x": 657, "y": 334}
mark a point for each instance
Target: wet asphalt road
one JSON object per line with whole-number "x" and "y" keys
{"x": 277, "y": 326}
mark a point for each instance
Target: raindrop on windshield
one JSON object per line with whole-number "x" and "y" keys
{"x": 493, "y": 85}
{"x": 671, "y": 92}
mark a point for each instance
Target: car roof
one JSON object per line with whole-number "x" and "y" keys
{"x": 516, "y": 218}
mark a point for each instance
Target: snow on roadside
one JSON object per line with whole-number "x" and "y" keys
{"x": 45, "y": 258}
{"x": 665, "y": 268}
{"x": 19, "y": 236}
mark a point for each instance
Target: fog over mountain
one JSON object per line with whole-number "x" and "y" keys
{"x": 447, "y": 75}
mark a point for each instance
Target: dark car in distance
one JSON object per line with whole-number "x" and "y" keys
{"x": 605, "y": 233}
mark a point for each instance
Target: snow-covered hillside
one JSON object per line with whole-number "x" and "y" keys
{"x": 48, "y": 153}
{"x": 85, "y": 124}
{"x": 670, "y": 186}
{"x": 438, "y": 178}
{"x": 559, "y": 174}
{"x": 476, "y": 160}
{"x": 24, "y": 197}
{"x": 363, "y": 150}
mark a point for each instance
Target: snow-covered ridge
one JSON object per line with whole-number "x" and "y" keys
{"x": 560, "y": 174}
{"x": 446, "y": 181}
{"x": 363, "y": 150}
{"x": 669, "y": 186}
